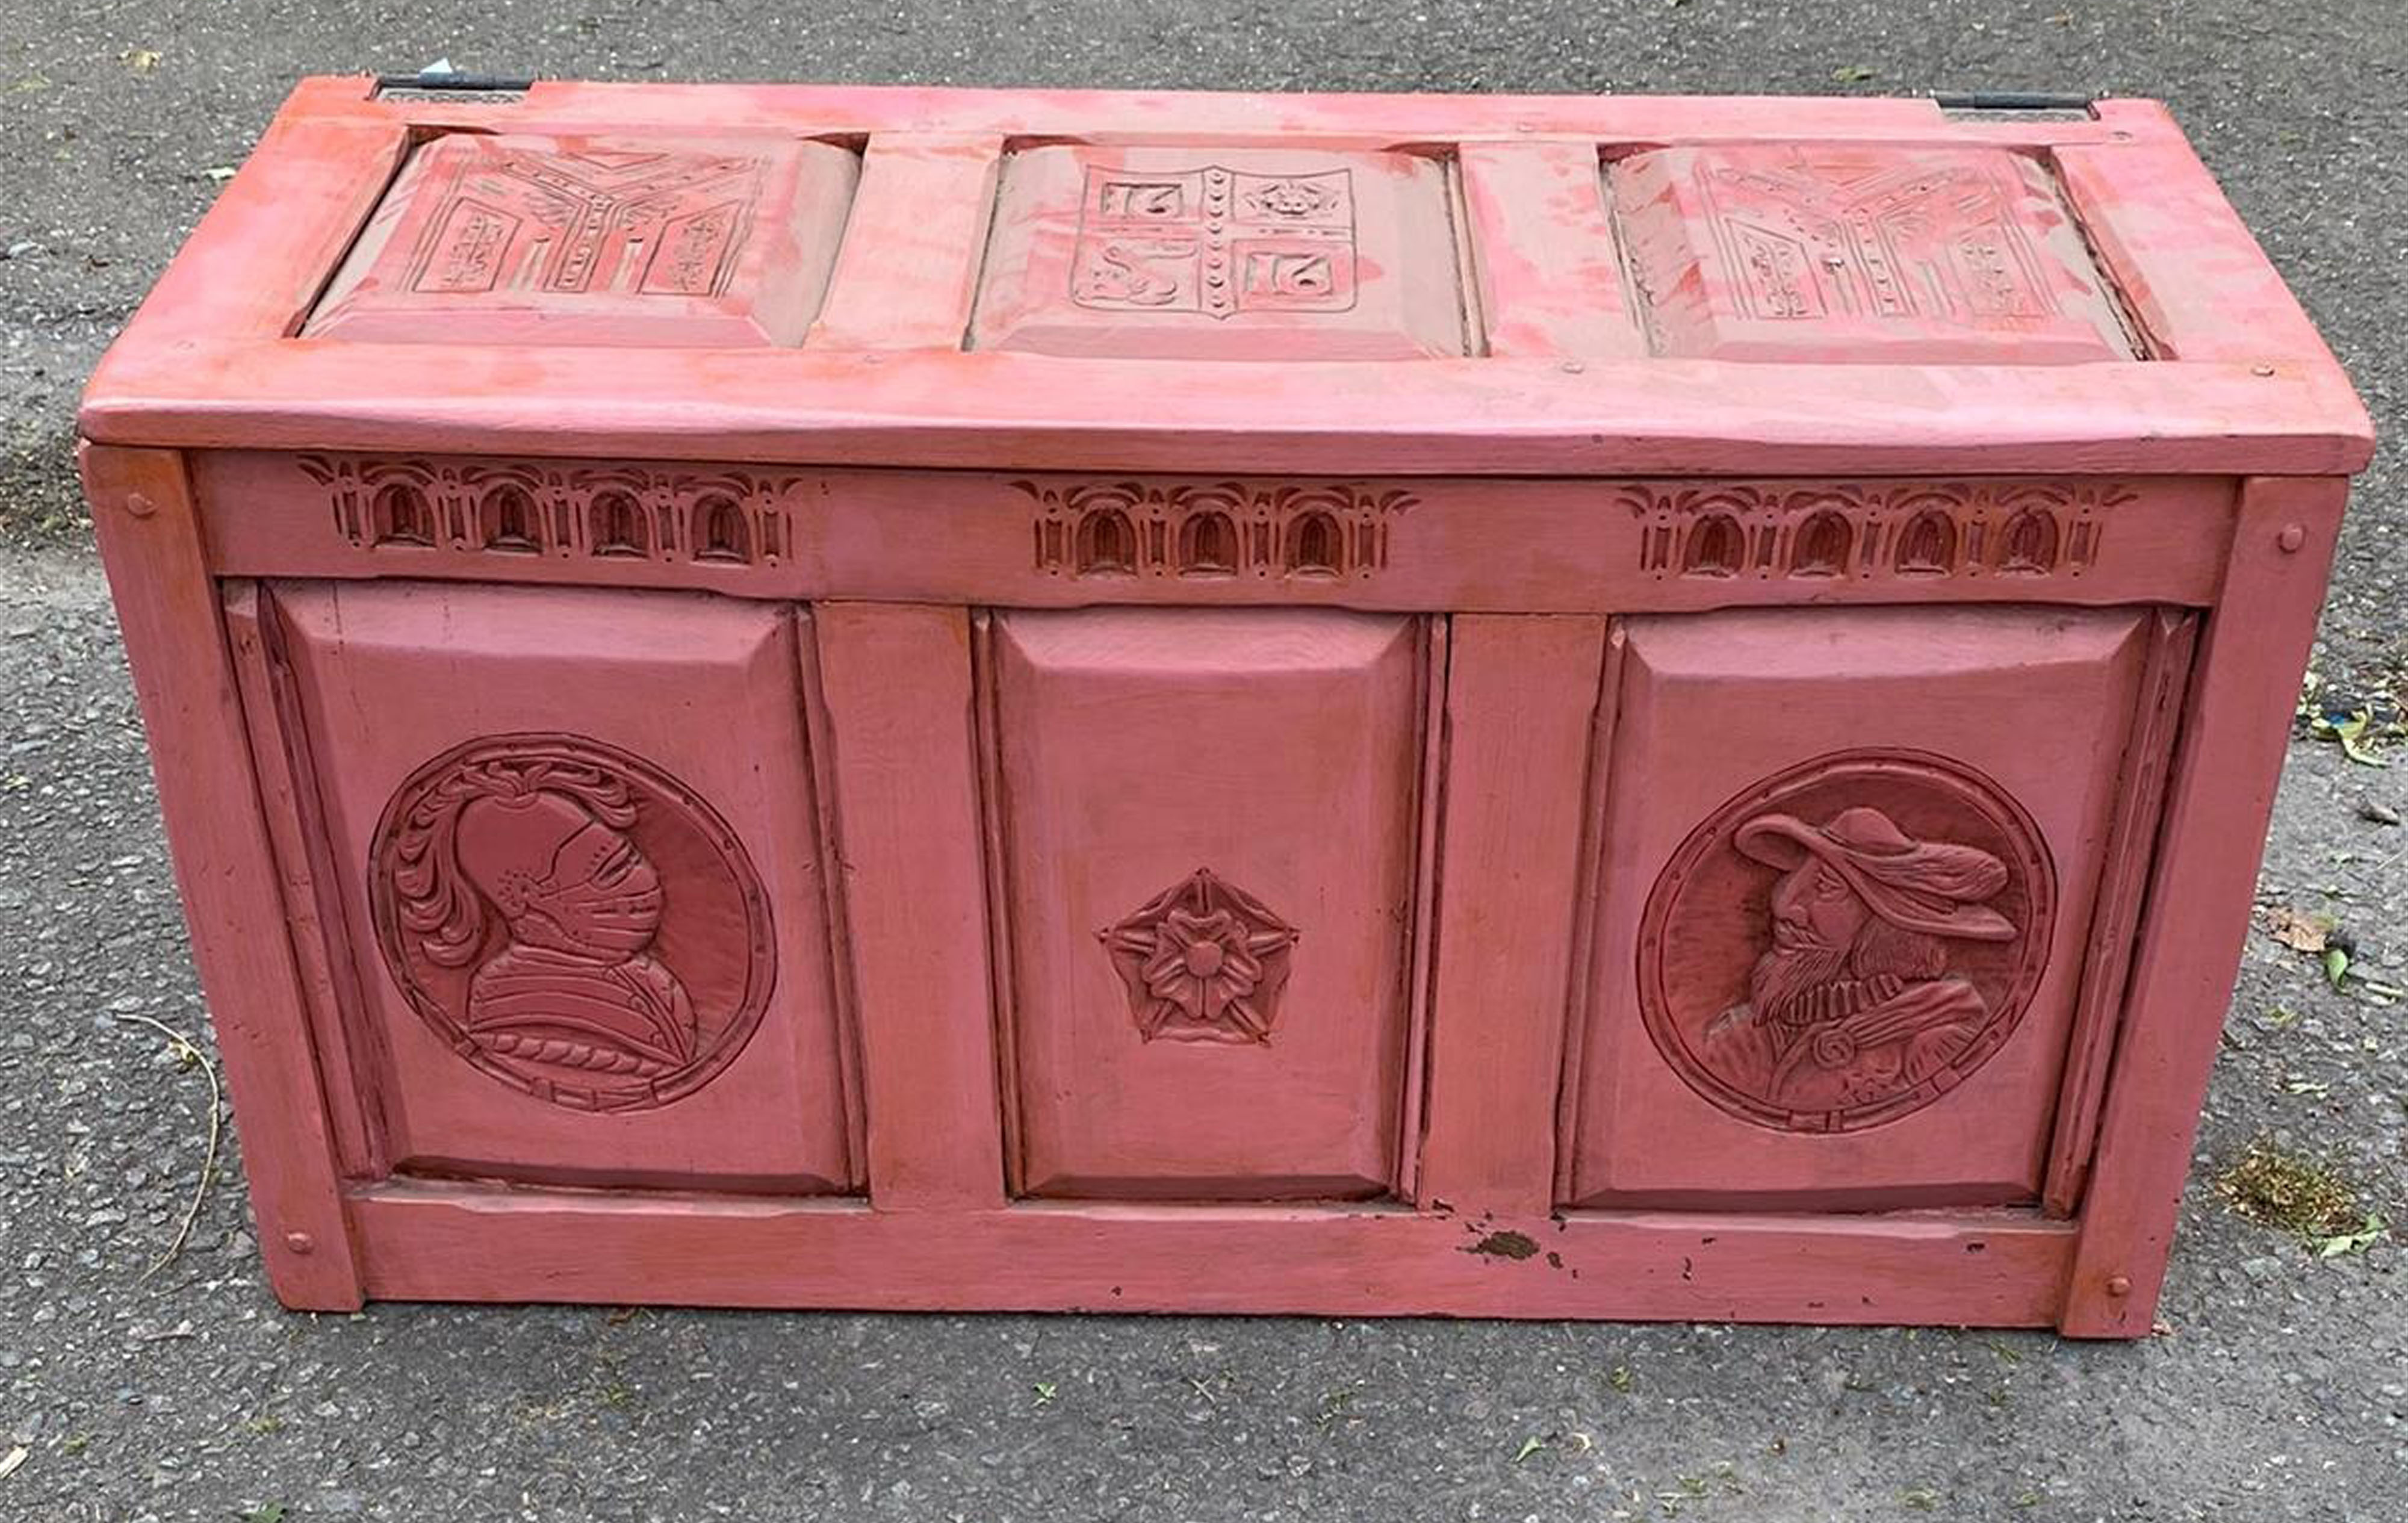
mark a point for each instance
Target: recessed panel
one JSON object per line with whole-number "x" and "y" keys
{"x": 1848, "y": 869}
{"x": 1221, "y": 253}
{"x": 1841, "y": 252}
{"x": 1208, "y": 834}
{"x": 573, "y": 839}
{"x": 631, "y": 240}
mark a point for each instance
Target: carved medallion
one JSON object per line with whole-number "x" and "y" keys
{"x": 571, "y": 921}
{"x": 1845, "y": 942}
{"x": 1203, "y": 961}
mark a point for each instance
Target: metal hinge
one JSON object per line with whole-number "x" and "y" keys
{"x": 2060, "y": 105}
{"x": 439, "y": 80}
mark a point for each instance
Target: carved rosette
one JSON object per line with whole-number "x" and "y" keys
{"x": 571, "y": 921}
{"x": 1847, "y": 942}
{"x": 1202, "y": 961}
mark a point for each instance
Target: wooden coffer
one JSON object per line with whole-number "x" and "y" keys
{"x": 1506, "y": 707}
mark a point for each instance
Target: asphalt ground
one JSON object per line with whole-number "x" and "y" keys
{"x": 2278, "y": 1390}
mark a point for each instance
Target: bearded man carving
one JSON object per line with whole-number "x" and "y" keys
{"x": 1855, "y": 1001}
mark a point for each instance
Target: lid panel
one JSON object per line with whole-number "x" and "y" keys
{"x": 1221, "y": 253}
{"x": 1871, "y": 254}
{"x": 521, "y": 238}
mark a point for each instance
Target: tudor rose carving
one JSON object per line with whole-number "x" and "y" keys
{"x": 1202, "y": 961}
{"x": 1847, "y": 942}
{"x": 571, "y": 920}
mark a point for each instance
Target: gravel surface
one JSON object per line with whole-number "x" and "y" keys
{"x": 2279, "y": 1391}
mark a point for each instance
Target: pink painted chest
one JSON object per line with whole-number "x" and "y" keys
{"x": 1639, "y": 708}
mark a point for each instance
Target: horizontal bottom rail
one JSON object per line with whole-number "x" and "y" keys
{"x": 432, "y": 1242}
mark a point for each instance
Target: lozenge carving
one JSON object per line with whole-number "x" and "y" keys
{"x": 1847, "y": 942}
{"x": 571, "y": 921}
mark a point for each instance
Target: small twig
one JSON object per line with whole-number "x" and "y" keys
{"x": 185, "y": 1048}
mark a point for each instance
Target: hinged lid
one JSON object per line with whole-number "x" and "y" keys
{"x": 1330, "y": 284}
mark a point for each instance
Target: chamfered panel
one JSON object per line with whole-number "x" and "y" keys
{"x": 1164, "y": 252}
{"x": 1207, "y": 831}
{"x": 1863, "y": 254}
{"x": 573, "y": 839}
{"x": 1848, "y": 867}
{"x": 632, "y": 238}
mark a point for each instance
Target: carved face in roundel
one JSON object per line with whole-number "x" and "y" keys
{"x": 1847, "y": 942}
{"x": 571, "y": 921}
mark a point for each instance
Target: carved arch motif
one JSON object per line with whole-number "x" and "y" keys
{"x": 1304, "y": 532}
{"x": 1870, "y": 531}
{"x": 558, "y": 507}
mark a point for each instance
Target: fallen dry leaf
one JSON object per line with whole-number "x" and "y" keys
{"x": 2300, "y": 933}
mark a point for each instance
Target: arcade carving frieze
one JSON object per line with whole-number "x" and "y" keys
{"x": 607, "y": 511}
{"x": 1909, "y": 530}
{"x": 1206, "y": 529}
{"x": 1213, "y": 529}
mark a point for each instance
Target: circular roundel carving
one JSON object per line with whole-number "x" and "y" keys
{"x": 1846, "y": 941}
{"x": 571, "y": 920}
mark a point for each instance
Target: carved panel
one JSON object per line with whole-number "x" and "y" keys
{"x": 1819, "y": 235}
{"x": 1843, "y": 943}
{"x": 571, "y": 921}
{"x": 1205, "y": 848}
{"x": 1871, "y": 531}
{"x": 1203, "y": 961}
{"x": 1217, "y": 251}
{"x": 1215, "y": 241}
{"x": 646, "y": 223}
{"x": 601, "y": 509}
{"x": 500, "y": 238}
{"x": 1204, "y": 530}
{"x": 1843, "y": 251}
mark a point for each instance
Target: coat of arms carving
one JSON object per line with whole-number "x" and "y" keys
{"x": 1215, "y": 241}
